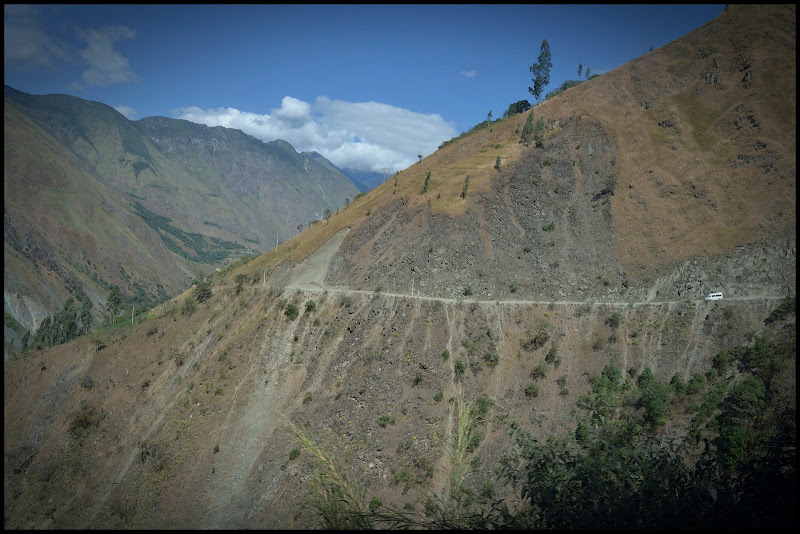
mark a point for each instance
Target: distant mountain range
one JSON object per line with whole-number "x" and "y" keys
{"x": 93, "y": 199}
{"x": 365, "y": 180}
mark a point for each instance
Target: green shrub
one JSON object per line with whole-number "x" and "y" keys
{"x": 535, "y": 340}
{"x": 696, "y": 384}
{"x": 445, "y": 354}
{"x": 385, "y": 419}
{"x": 549, "y": 227}
{"x": 310, "y": 306}
{"x": 788, "y": 306}
{"x": 614, "y": 319}
{"x": 540, "y": 371}
{"x": 202, "y": 291}
{"x": 294, "y": 453}
{"x": 83, "y": 420}
{"x": 291, "y": 311}
{"x": 531, "y": 390}
{"x": 467, "y": 290}
{"x": 655, "y": 401}
{"x": 482, "y": 405}
{"x": 307, "y": 397}
{"x": 645, "y": 378}
{"x": 189, "y": 306}
{"x": 548, "y": 162}
{"x": 552, "y": 357}
{"x": 679, "y": 387}
{"x": 458, "y": 369}
{"x": 417, "y": 380}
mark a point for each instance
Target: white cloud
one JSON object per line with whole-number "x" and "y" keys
{"x": 25, "y": 41}
{"x": 361, "y": 135}
{"x": 106, "y": 65}
{"x": 129, "y": 112}
{"x": 469, "y": 73}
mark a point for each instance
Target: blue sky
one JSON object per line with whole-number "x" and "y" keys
{"x": 367, "y": 86}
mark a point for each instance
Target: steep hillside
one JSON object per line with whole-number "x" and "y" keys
{"x": 684, "y": 154}
{"x": 65, "y": 232}
{"x": 186, "y": 198}
{"x": 525, "y": 290}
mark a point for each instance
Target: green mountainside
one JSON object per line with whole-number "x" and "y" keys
{"x": 93, "y": 199}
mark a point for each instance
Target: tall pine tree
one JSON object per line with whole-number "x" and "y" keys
{"x": 541, "y": 72}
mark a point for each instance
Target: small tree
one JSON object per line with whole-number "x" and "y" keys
{"x": 527, "y": 130}
{"x": 425, "y": 187}
{"x": 538, "y": 132}
{"x": 588, "y": 70}
{"x": 466, "y": 186}
{"x": 114, "y": 301}
{"x": 202, "y": 291}
{"x": 580, "y": 68}
{"x": 497, "y": 163}
{"x": 419, "y": 156}
{"x": 489, "y": 118}
{"x": 327, "y": 213}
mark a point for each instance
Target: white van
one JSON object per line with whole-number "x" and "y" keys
{"x": 714, "y": 296}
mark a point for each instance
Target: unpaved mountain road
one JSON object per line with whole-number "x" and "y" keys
{"x": 319, "y": 288}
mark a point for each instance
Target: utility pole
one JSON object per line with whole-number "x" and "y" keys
{"x": 385, "y": 169}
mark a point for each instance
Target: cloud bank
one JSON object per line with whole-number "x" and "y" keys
{"x": 367, "y": 136}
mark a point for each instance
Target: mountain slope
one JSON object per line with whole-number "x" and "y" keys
{"x": 187, "y": 197}
{"x": 363, "y": 326}
{"x": 687, "y": 152}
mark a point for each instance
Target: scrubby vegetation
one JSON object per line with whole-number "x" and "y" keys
{"x": 618, "y": 469}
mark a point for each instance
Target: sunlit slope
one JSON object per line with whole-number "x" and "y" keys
{"x": 688, "y": 151}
